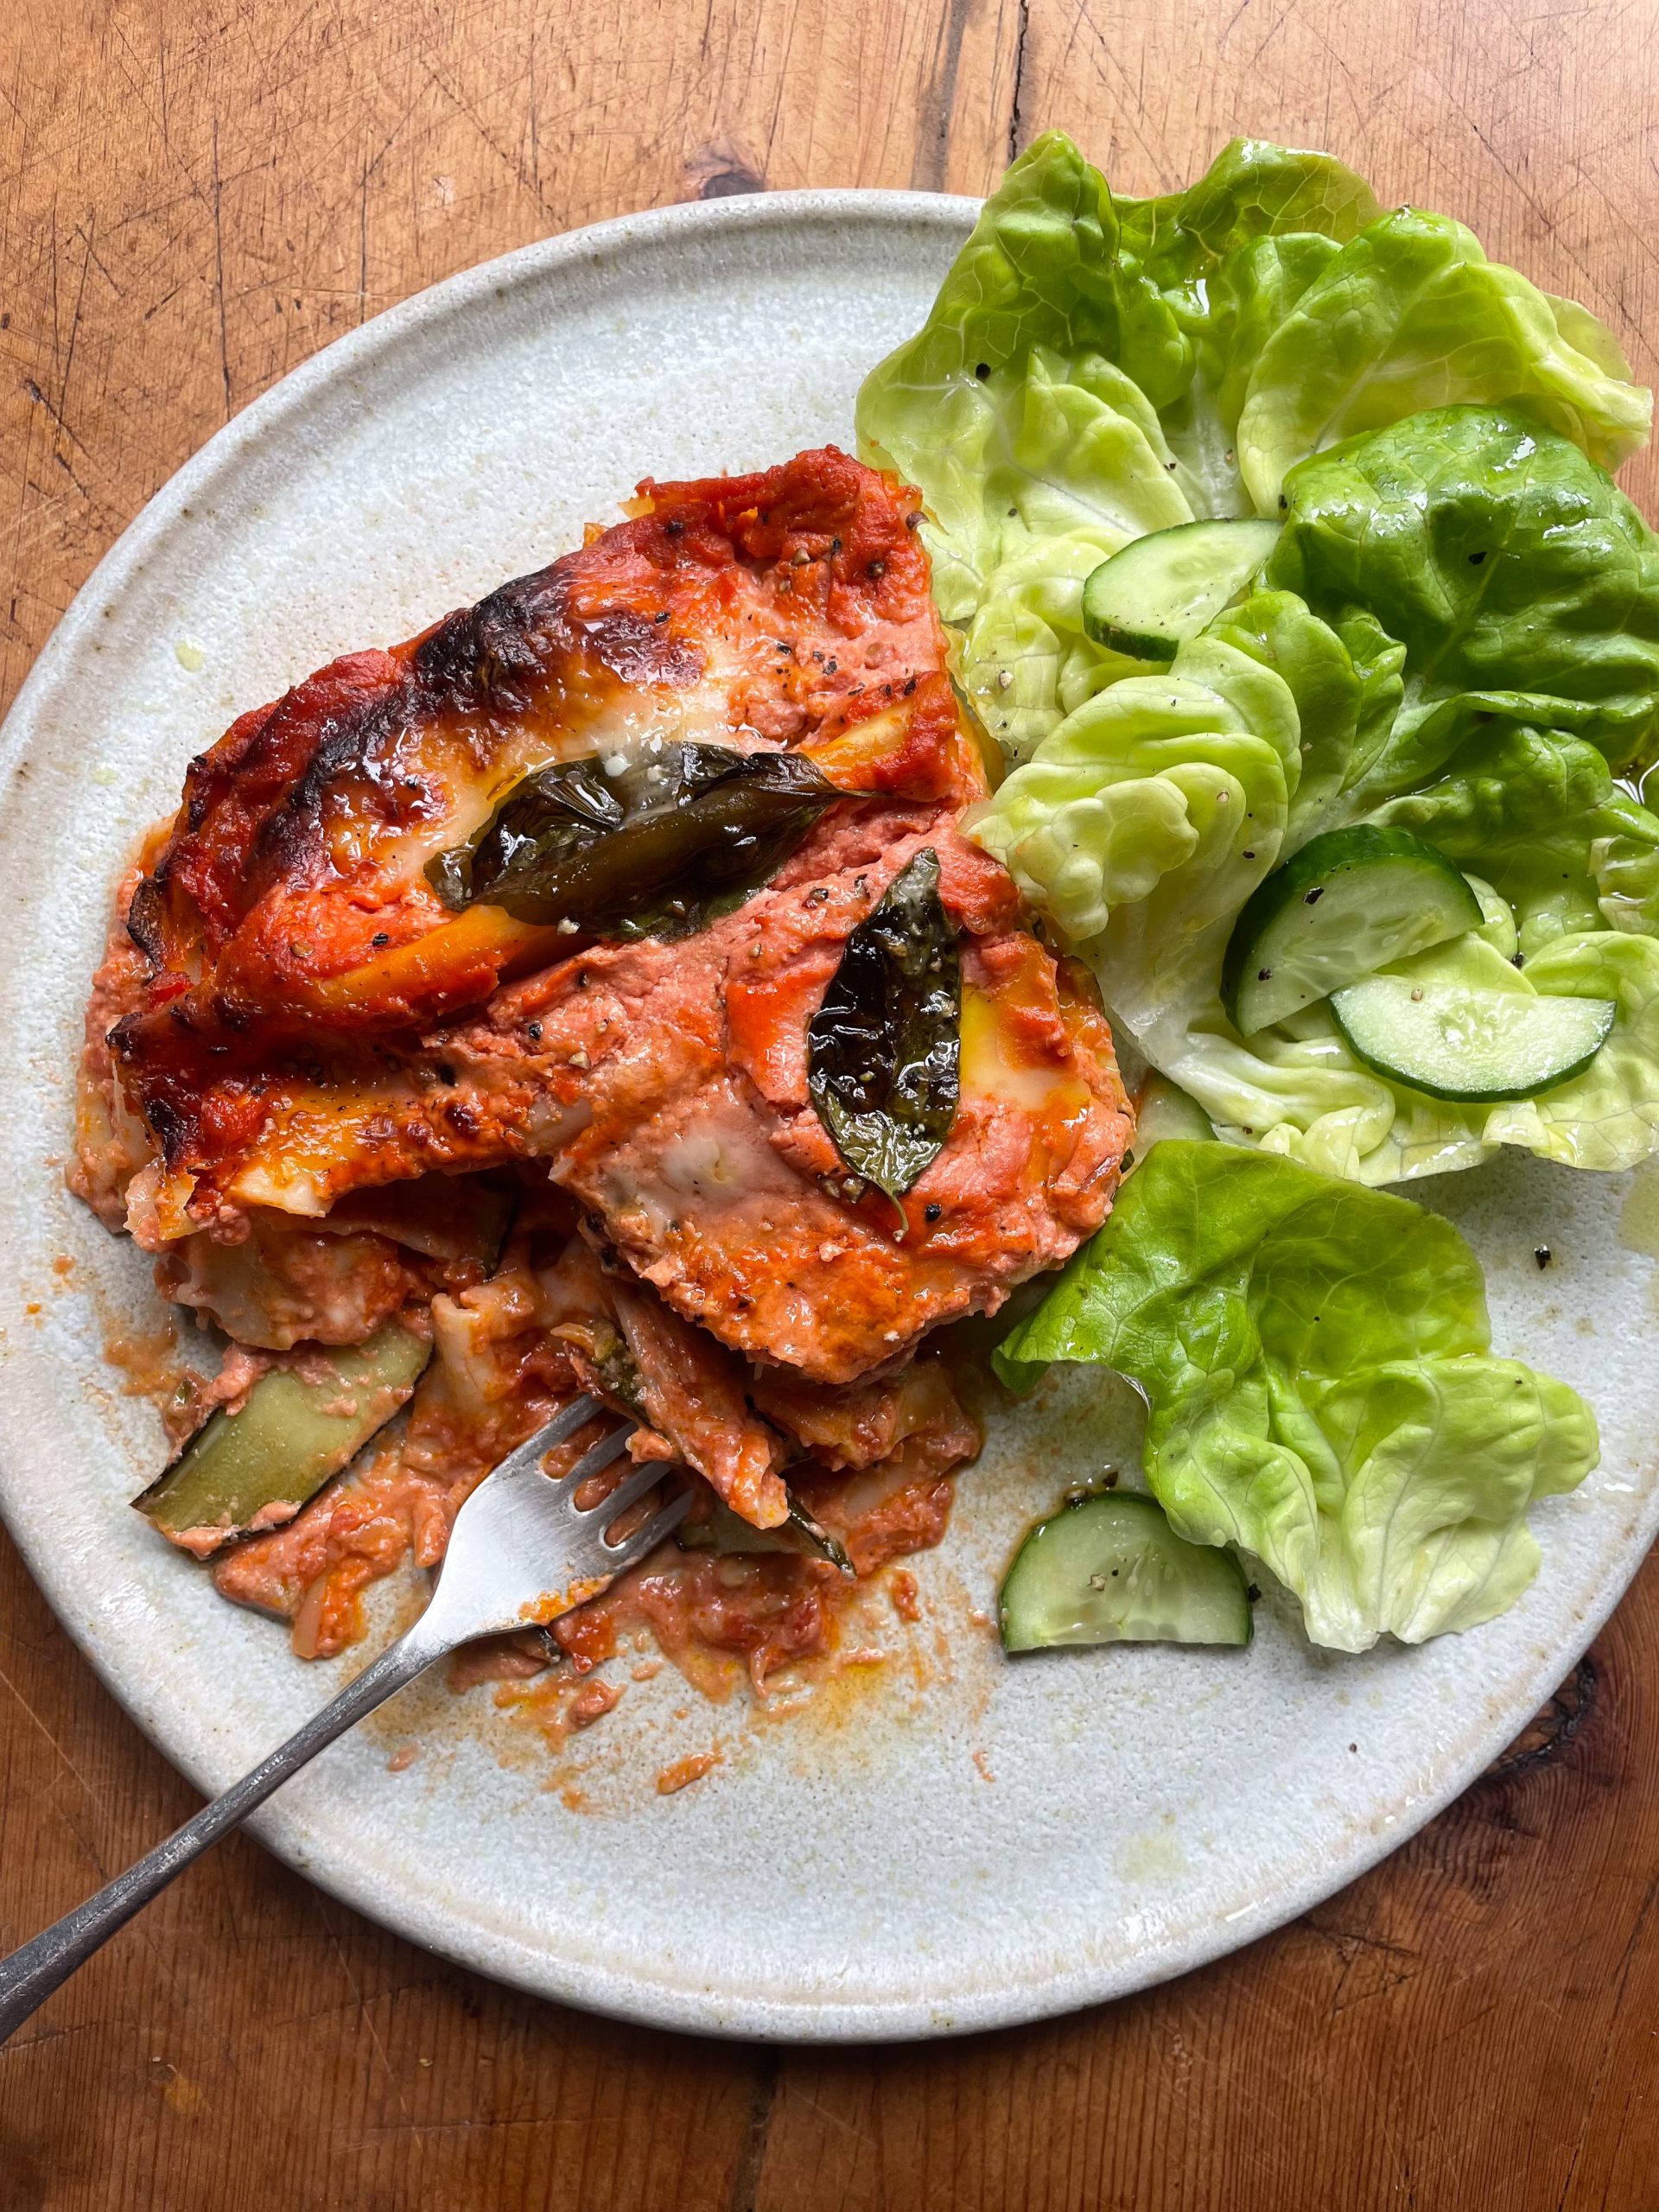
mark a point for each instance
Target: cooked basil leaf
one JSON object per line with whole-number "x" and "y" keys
{"x": 715, "y": 1528}
{"x": 884, "y": 1049}
{"x": 549, "y": 813}
{"x": 654, "y": 850}
{"x": 815, "y": 1538}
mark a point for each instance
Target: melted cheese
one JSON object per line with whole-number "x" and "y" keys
{"x": 992, "y": 1066}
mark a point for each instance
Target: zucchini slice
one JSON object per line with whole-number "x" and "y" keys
{"x": 717, "y": 1528}
{"x": 1108, "y": 1568}
{"x": 1347, "y": 904}
{"x": 255, "y": 1468}
{"x": 1157, "y": 591}
{"x": 1459, "y": 1023}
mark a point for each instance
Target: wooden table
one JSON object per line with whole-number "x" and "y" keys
{"x": 192, "y": 199}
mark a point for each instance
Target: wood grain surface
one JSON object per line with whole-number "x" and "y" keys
{"x": 193, "y": 198}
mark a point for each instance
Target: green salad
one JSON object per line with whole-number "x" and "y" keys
{"x": 1276, "y": 539}
{"x": 1449, "y": 625}
{"x": 1322, "y": 1393}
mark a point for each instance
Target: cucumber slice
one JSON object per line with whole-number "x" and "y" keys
{"x": 1164, "y": 1109}
{"x": 1347, "y": 904}
{"x": 1158, "y": 590}
{"x": 1108, "y": 1568}
{"x": 1460, "y": 1023}
{"x": 257, "y": 1467}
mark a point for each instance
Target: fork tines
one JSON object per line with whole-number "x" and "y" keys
{"x": 606, "y": 1510}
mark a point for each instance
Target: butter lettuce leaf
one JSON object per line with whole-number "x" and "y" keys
{"x": 1336, "y": 740}
{"x": 1317, "y": 1362}
{"x": 1539, "y": 815}
{"x": 1457, "y": 632}
{"x": 1478, "y": 659}
{"x": 1252, "y": 190}
{"x": 1024, "y": 661}
{"x": 1608, "y": 1117}
{"x": 1148, "y": 816}
{"x": 1041, "y": 276}
{"x": 1411, "y": 315}
{"x": 1520, "y": 582}
{"x": 1072, "y": 465}
{"x": 1096, "y": 367}
{"x": 1141, "y": 824}
{"x": 1245, "y": 300}
{"x": 1051, "y": 408}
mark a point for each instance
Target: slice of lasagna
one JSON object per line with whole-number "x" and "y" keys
{"x": 632, "y": 902}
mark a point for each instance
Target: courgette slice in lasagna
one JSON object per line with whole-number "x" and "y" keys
{"x": 255, "y": 1468}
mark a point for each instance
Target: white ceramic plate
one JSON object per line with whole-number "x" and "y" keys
{"x": 938, "y": 1842}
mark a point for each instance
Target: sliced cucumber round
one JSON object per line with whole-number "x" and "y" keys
{"x": 1157, "y": 591}
{"x": 1347, "y": 904}
{"x": 1108, "y": 1568}
{"x": 1461, "y": 1024}
{"x": 1163, "y": 1109}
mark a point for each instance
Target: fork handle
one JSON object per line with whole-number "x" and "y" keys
{"x": 30, "y": 1974}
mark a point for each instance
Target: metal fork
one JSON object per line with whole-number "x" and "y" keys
{"x": 523, "y": 1551}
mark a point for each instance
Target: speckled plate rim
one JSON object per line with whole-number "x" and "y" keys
{"x": 471, "y": 1944}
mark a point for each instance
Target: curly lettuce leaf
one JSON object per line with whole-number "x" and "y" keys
{"x": 1317, "y": 1361}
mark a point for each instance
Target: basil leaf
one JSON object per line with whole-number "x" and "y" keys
{"x": 884, "y": 1049}
{"x": 815, "y": 1538}
{"x": 716, "y": 1528}
{"x": 654, "y": 850}
{"x": 549, "y": 813}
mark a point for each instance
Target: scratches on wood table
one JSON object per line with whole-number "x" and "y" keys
{"x": 194, "y": 198}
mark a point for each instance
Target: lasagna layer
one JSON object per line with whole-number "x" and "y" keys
{"x": 294, "y": 1017}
